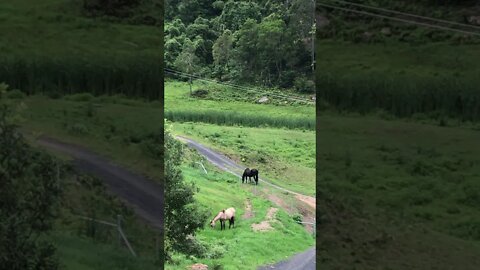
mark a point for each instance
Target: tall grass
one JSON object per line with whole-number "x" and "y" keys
{"x": 134, "y": 75}
{"x": 401, "y": 95}
{"x": 243, "y": 119}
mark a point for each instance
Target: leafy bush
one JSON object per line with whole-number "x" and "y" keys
{"x": 201, "y": 93}
{"x": 78, "y": 129}
{"x": 304, "y": 85}
{"x": 80, "y": 97}
{"x": 15, "y": 94}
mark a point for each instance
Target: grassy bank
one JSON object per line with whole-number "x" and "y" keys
{"x": 435, "y": 80}
{"x": 114, "y": 127}
{"x": 49, "y": 46}
{"x": 285, "y": 157}
{"x": 118, "y": 128}
{"x": 399, "y": 182}
{"x": 227, "y": 106}
{"x": 241, "y": 247}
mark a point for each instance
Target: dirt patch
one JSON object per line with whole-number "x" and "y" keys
{"x": 248, "y": 210}
{"x": 310, "y": 201}
{"x": 199, "y": 266}
{"x": 266, "y": 224}
{"x": 271, "y": 213}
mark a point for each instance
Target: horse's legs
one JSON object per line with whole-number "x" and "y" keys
{"x": 232, "y": 222}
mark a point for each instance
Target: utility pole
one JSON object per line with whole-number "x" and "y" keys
{"x": 313, "y": 37}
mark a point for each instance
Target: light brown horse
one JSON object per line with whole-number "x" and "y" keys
{"x": 224, "y": 215}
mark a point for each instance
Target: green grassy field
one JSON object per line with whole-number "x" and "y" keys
{"x": 285, "y": 157}
{"x": 435, "y": 80}
{"x": 241, "y": 247}
{"x": 235, "y": 106}
{"x": 120, "y": 129}
{"x": 49, "y": 46}
{"x": 410, "y": 190}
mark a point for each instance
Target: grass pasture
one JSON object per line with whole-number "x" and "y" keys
{"x": 404, "y": 186}
{"x": 50, "y": 47}
{"x": 118, "y": 128}
{"x": 285, "y": 157}
{"x": 240, "y": 248}
{"x": 437, "y": 80}
{"x": 223, "y": 109}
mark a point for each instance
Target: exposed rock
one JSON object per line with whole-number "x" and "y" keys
{"x": 386, "y": 31}
{"x": 263, "y": 100}
{"x": 475, "y": 20}
{"x": 199, "y": 266}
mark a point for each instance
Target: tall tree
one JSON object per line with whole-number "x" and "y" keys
{"x": 29, "y": 192}
{"x": 183, "y": 217}
{"x": 222, "y": 52}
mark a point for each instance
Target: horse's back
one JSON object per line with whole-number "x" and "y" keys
{"x": 230, "y": 212}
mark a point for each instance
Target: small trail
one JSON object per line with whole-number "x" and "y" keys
{"x": 266, "y": 225}
{"x": 248, "y": 210}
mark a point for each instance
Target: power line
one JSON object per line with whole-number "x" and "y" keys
{"x": 252, "y": 90}
{"x": 400, "y": 20}
{"x": 235, "y": 86}
{"x": 407, "y": 14}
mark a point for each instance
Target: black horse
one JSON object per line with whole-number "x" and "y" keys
{"x": 250, "y": 173}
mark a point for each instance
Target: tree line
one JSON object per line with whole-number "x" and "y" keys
{"x": 262, "y": 42}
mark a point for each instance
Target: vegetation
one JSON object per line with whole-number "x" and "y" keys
{"x": 288, "y": 160}
{"x": 398, "y": 124}
{"x": 183, "y": 217}
{"x": 410, "y": 72}
{"x": 29, "y": 195}
{"x": 405, "y": 188}
{"x": 224, "y": 106}
{"x": 51, "y": 48}
{"x": 239, "y": 248}
{"x": 251, "y": 42}
{"x": 110, "y": 126}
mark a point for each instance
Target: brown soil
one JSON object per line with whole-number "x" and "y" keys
{"x": 248, "y": 210}
{"x": 310, "y": 201}
{"x": 266, "y": 224}
{"x": 199, "y": 266}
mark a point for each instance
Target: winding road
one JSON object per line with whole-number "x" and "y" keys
{"x": 301, "y": 261}
{"x": 144, "y": 195}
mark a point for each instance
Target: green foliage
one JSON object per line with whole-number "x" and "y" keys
{"x": 15, "y": 94}
{"x": 252, "y": 42}
{"x": 78, "y": 54}
{"x": 29, "y": 196}
{"x": 183, "y": 217}
{"x": 243, "y": 119}
{"x": 304, "y": 85}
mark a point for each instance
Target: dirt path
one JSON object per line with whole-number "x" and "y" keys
{"x": 266, "y": 225}
{"x": 248, "y": 210}
{"x": 144, "y": 195}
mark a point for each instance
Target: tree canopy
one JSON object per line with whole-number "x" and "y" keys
{"x": 262, "y": 42}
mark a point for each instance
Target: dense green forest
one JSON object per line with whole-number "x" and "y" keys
{"x": 367, "y": 64}
{"x": 69, "y": 46}
{"x": 262, "y": 42}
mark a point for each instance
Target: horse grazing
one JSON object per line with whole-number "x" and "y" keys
{"x": 250, "y": 173}
{"x": 224, "y": 215}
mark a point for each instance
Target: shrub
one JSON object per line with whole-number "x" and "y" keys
{"x": 80, "y": 97}
{"x": 304, "y": 85}
{"x": 15, "y": 94}
{"x": 200, "y": 93}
